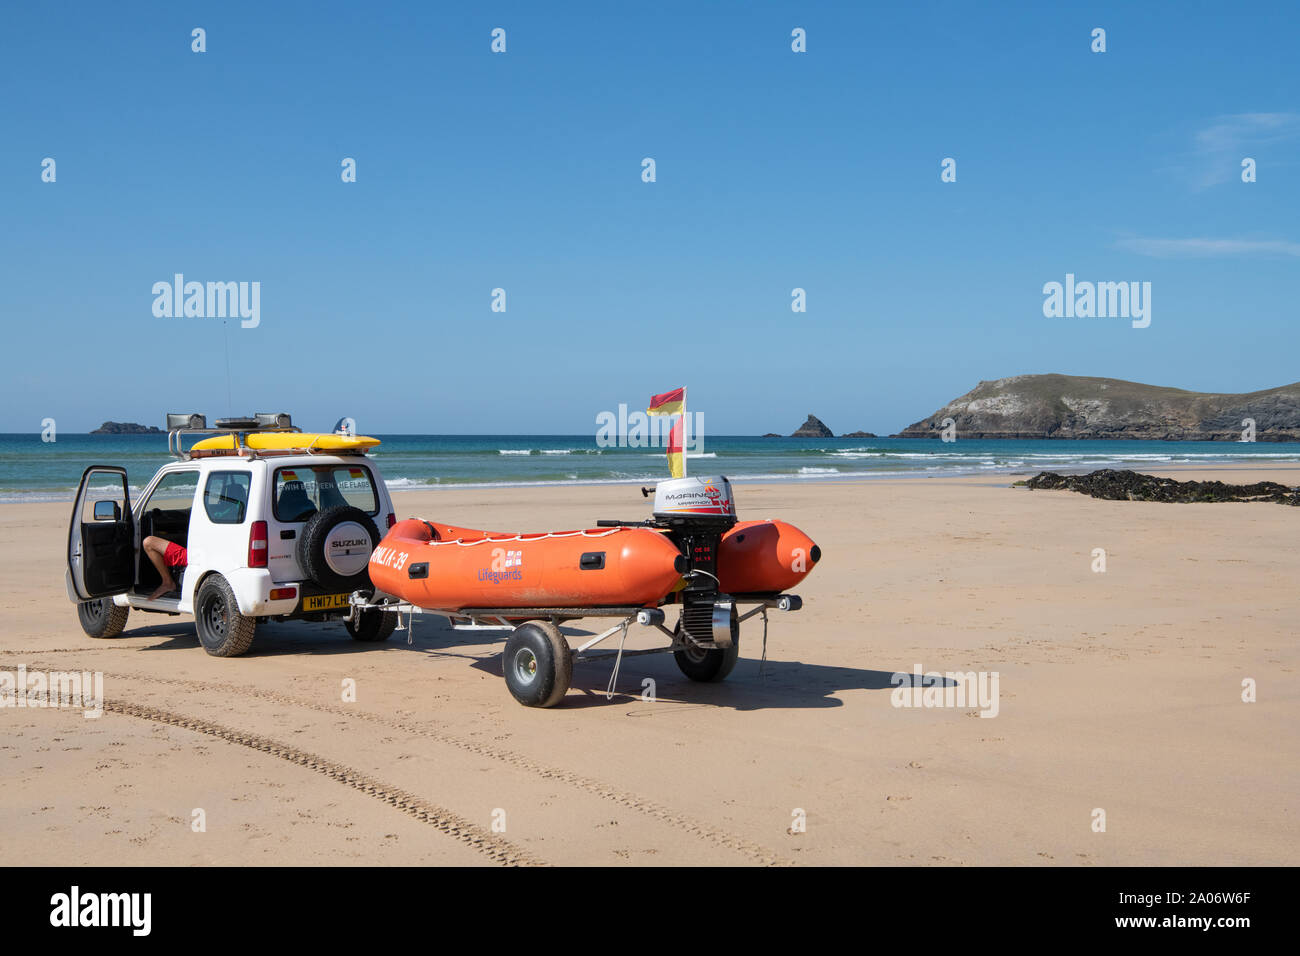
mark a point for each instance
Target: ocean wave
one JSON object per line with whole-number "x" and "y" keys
{"x": 398, "y": 484}
{"x": 525, "y": 451}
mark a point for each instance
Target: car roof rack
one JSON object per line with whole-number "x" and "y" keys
{"x": 194, "y": 425}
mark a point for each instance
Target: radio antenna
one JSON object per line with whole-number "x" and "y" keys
{"x": 225, "y": 328}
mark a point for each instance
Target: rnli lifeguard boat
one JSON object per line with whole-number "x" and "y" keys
{"x": 692, "y": 552}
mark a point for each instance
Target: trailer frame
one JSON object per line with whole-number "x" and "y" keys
{"x": 512, "y": 618}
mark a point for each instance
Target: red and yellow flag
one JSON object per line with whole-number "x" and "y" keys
{"x": 669, "y": 403}
{"x": 676, "y": 457}
{"x": 673, "y": 403}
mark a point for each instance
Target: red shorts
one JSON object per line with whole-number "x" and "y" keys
{"x": 175, "y": 556}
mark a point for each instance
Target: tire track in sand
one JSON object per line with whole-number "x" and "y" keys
{"x": 623, "y": 798}
{"x": 476, "y": 838}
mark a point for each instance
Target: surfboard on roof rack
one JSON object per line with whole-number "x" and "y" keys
{"x": 271, "y": 433}
{"x": 302, "y": 441}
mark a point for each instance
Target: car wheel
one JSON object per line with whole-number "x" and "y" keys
{"x": 102, "y": 618}
{"x": 223, "y": 631}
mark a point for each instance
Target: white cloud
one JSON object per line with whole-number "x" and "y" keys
{"x": 1220, "y": 147}
{"x": 1231, "y": 133}
{"x": 1209, "y": 248}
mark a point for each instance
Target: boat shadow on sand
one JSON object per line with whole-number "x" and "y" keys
{"x": 782, "y": 685}
{"x": 777, "y": 684}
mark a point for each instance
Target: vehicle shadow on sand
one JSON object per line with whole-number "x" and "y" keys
{"x": 279, "y": 638}
{"x": 780, "y": 685}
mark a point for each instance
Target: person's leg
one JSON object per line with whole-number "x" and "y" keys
{"x": 155, "y": 548}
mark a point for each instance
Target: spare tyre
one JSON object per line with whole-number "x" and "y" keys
{"x": 334, "y": 550}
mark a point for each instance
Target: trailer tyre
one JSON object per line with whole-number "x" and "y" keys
{"x": 708, "y": 666}
{"x": 223, "y": 631}
{"x": 372, "y": 626}
{"x": 538, "y": 664}
{"x": 102, "y": 618}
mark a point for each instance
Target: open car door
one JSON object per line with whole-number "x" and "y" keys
{"x": 101, "y": 535}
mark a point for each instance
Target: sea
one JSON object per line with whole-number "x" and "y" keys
{"x": 34, "y": 470}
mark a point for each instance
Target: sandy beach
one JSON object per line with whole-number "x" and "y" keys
{"x": 1119, "y": 691}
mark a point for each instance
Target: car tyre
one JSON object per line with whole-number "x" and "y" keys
{"x": 222, "y": 630}
{"x": 102, "y": 618}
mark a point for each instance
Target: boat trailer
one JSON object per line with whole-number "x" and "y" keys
{"x": 538, "y": 659}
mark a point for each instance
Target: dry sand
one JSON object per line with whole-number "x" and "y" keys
{"x": 1118, "y": 690}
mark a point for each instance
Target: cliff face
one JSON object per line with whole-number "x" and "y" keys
{"x": 1072, "y": 406}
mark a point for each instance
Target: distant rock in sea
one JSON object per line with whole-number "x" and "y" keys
{"x": 1073, "y": 406}
{"x": 771, "y": 435}
{"x": 126, "y": 428}
{"x": 859, "y": 435}
{"x": 1112, "y": 485}
{"x": 814, "y": 427}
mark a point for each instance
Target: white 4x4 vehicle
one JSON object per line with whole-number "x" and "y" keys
{"x": 277, "y": 524}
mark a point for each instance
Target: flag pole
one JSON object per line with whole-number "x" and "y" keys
{"x": 684, "y": 427}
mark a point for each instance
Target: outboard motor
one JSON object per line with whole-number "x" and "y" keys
{"x": 696, "y": 513}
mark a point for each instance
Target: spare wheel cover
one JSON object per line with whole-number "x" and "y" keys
{"x": 347, "y": 548}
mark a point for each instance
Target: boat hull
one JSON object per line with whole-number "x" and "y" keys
{"x": 443, "y": 567}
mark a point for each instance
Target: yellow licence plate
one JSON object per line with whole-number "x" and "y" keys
{"x": 324, "y": 602}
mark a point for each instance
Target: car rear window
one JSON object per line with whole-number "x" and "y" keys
{"x": 225, "y": 496}
{"x": 302, "y": 490}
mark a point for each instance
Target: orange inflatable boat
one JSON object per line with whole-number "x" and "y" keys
{"x": 691, "y": 553}
{"x": 762, "y": 556}
{"x": 689, "y": 545}
{"x": 440, "y": 567}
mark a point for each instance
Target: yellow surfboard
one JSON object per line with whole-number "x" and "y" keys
{"x": 276, "y": 441}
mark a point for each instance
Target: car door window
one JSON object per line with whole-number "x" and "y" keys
{"x": 225, "y": 496}
{"x": 106, "y": 490}
{"x": 175, "y": 492}
{"x": 167, "y": 512}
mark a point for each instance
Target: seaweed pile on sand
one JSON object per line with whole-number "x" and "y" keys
{"x": 1113, "y": 485}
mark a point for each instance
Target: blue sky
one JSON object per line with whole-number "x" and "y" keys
{"x": 522, "y": 171}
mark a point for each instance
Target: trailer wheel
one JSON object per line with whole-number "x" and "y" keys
{"x": 102, "y": 618}
{"x": 707, "y": 665}
{"x": 372, "y": 626}
{"x": 538, "y": 664}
